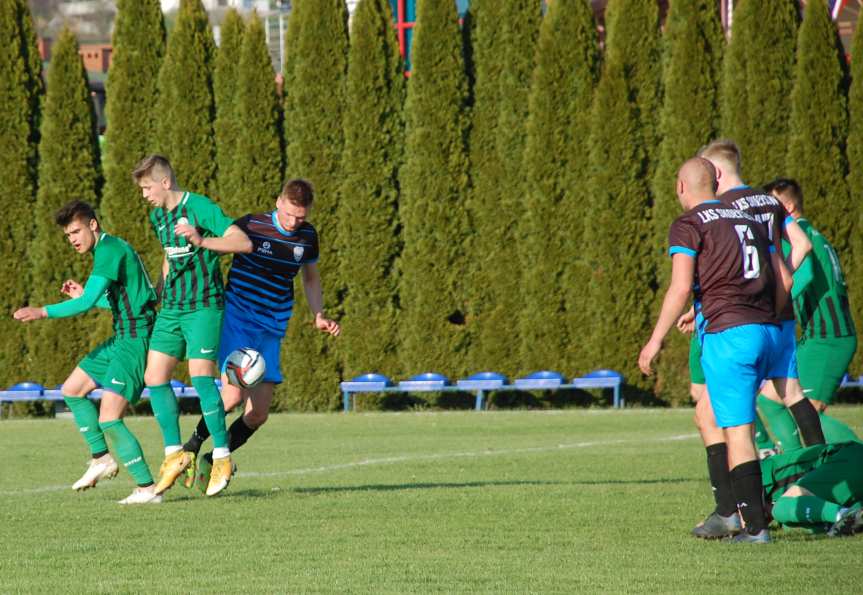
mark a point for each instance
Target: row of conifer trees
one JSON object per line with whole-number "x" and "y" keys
{"x": 505, "y": 207}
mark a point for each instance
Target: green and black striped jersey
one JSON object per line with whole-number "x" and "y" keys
{"x": 194, "y": 278}
{"x": 130, "y": 293}
{"x": 822, "y": 308}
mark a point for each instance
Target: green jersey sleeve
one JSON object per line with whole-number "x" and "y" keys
{"x": 210, "y": 216}
{"x": 94, "y": 289}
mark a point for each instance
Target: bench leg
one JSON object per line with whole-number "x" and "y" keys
{"x": 346, "y": 401}
{"x": 479, "y": 398}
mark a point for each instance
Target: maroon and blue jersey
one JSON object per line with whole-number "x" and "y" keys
{"x": 734, "y": 282}
{"x": 261, "y": 284}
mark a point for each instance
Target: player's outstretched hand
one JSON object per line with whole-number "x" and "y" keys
{"x": 29, "y": 314}
{"x": 190, "y": 232}
{"x": 72, "y": 288}
{"x": 645, "y": 358}
{"x": 326, "y": 325}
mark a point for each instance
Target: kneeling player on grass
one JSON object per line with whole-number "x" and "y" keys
{"x": 193, "y": 230}
{"x": 820, "y": 486}
{"x": 259, "y": 301}
{"x": 118, "y": 281}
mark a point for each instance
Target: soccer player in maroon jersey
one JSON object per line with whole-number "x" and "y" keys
{"x": 723, "y": 255}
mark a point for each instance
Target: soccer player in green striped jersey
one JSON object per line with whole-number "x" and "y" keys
{"x": 120, "y": 282}
{"x": 193, "y": 231}
{"x": 827, "y": 338}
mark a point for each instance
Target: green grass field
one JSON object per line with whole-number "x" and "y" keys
{"x": 520, "y": 501}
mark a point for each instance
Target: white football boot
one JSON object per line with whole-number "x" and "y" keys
{"x": 104, "y": 467}
{"x": 142, "y": 496}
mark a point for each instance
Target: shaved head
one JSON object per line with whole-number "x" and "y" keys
{"x": 699, "y": 174}
{"x": 696, "y": 182}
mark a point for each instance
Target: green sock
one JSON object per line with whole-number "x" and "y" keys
{"x": 804, "y": 510}
{"x": 128, "y": 449}
{"x": 781, "y": 422}
{"x": 835, "y": 431}
{"x": 167, "y": 413}
{"x": 212, "y": 409}
{"x": 762, "y": 438}
{"x": 87, "y": 419}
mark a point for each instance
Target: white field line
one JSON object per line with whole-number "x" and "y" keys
{"x": 407, "y": 458}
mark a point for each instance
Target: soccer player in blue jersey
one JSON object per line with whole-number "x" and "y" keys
{"x": 259, "y": 301}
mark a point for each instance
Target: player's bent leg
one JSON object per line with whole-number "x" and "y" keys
{"x": 781, "y": 422}
{"x": 75, "y": 390}
{"x": 801, "y": 409}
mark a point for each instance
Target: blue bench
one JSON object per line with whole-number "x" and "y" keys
{"x": 849, "y": 382}
{"x": 480, "y": 384}
{"x": 31, "y": 391}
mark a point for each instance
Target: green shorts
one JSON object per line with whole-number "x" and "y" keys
{"x": 822, "y": 363}
{"x": 696, "y": 372}
{"x": 188, "y": 334}
{"x": 839, "y": 479}
{"x": 118, "y": 365}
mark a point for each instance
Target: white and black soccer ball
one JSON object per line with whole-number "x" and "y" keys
{"x": 245, "y": 367}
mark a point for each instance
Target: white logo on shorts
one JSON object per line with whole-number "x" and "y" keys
{"x": 207, "y": 350}
{"x": 115, "y": 381}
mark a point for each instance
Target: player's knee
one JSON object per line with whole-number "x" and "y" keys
{"x": 72, "y": 388}
{"x": 154, "y": 378}
{"x": 820, "y": 406}
{"x": 255, "y": 419}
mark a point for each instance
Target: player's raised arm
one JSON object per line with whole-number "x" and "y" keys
{"x": 314, "y": 295}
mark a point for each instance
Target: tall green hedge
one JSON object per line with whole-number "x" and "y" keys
{"x": 758, "y": 80}
{"x": 819, "y": 125}
{"x": 138, "y": 46}
{"x": 484, "y": 200}
{"x": 226, "y": 127}
{"x": 67, "y": 170}
{"x": 433, "y": 181}
{"x": 315, "y": 138}
{"x": 633, "y": 39}
{"x": 689, "y": 118}
{"x": 258, "y": 158}
{"x": 186, "y": 107}
{"x": 368, "y": 208}
{"x": 20, "y": 93}
{"x": 553, "y": 207}
{"x": 853, "y": 262}
{"x": 499, "y": 341}
{"x": 620, "y": 286}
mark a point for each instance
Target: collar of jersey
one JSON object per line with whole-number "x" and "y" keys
{"x": 278, "y": 225}
{"x": 743, "y": 187}
{"x": 712, "y": 201}
{"x": 183, "y": 200}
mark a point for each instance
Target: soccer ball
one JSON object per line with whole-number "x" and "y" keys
{"x": 245, "y": 367}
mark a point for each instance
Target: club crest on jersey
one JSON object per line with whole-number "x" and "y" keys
{"x": 298, "y": 253}
{"x": 266, "y": 248}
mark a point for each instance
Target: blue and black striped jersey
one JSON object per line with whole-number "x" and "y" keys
{"x": 261, "y": 284}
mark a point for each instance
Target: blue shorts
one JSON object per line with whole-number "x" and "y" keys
{"x": 238, "y": 332}
{"x": 736, "y": 361}
{"x": 785, "y": 364}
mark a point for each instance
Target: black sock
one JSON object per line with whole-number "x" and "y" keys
{"x": 145, "y": 485}
{"x": 99, "y": 455}
{"x": 238, "y": 433}
{"x": 749, "y": 493}
{"x": 720, "y": 480}
{"x": 199, "y": 436}
{"x": 808, "y": 421}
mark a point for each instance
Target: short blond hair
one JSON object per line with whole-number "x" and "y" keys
{"x": 723, "y": 150}
{"x": 155, "y": 167}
